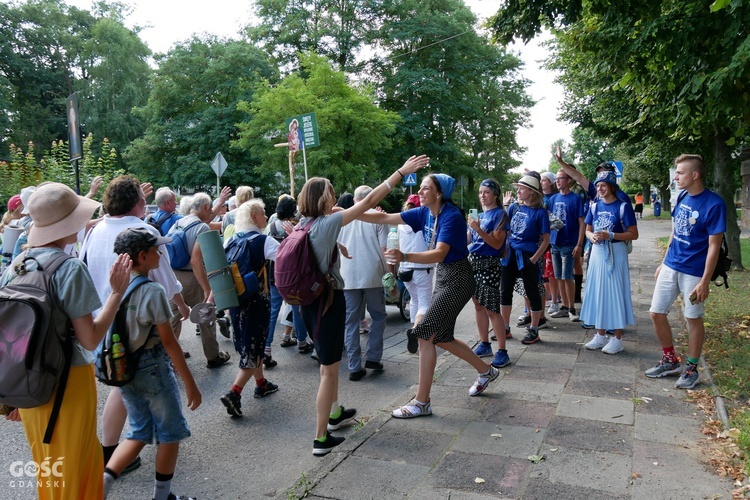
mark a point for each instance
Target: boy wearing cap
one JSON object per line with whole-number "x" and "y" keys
{"x": 152, "y": 399}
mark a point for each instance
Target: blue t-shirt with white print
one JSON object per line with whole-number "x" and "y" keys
{"x": 450, "y": 229}
{"x": 694, "y": 219}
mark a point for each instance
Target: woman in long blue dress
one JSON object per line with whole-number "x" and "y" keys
{"x": 607, "y": 305}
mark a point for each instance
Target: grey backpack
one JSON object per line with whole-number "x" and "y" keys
{"x": 36, "y": 348}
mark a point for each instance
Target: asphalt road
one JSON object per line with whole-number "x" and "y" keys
{"x": 261, "y": 454}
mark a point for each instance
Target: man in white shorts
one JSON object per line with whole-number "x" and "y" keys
{"x": 698, "y": 225}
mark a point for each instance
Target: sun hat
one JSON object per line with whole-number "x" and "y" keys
{"x": 57, "y": 212}
{"x": 25, "y": 195}
{"x": 447, "y": 183}
{"x": 550, "y": 177}
{"x": 14, "y": 202}
{"x": 413, "y": 199}
{"x": 136, "y": 239}
{"x": 203, "y": 313}
{"x": 606, "y": 176}
{"x": 531, "y": 182}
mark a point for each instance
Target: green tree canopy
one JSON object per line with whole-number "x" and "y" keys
{"x": 461, "y": 99}
{"x": 192, "y": 113}
{"x": 353, "y": 132}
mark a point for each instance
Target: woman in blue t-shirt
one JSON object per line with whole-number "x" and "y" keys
{"x": 444, "y": 228}
{"x": 610, "y": 223}
{"x": 486, "y": 238}
{"x": 528, "y": 239}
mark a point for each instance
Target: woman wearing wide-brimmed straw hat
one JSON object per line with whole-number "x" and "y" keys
{"x": 59, "y": 214}
{"x": 528, "y": 238}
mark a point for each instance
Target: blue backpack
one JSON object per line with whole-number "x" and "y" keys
{"x": 179, "y": 253}
{"x": 248, "y": 264}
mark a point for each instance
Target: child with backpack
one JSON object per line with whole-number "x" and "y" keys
{"x": 152, "y": 398}
{"x": 59, "y": 214}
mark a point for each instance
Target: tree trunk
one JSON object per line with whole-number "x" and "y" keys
{"x": 646, "y": 192}
{"x": 745, "y": 173}
{"x": 666, "y": 204}
{"x": 723, "y": 170}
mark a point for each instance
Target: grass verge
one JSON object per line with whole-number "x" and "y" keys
{"x": 727, "y": 352}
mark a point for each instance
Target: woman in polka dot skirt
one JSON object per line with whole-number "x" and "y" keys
{"x": 486, "y": 243}
{"x": 444, "y": 229}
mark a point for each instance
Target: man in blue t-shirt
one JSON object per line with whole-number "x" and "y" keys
{"x": 699, "y": 220}
{"x": 567, "y": 242}
{"x": 588, "y": 186}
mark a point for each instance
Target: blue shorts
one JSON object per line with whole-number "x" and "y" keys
{"x": 562, "y": 261}
{"x": 152, "y": 400}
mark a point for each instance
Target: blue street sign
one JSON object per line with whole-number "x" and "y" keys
{"x": 618, "y": 169}
{"x": 410, "y": 180}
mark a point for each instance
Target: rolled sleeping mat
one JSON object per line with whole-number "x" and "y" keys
{"x": 218, "y": 271}
{"x": 10, "y": 236}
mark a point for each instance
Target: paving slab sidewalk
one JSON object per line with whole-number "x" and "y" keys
{"x": 604, "y": 430}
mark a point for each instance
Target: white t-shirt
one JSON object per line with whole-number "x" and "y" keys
{"x": 98, "y": 253}
{"x": 365, "y": 243}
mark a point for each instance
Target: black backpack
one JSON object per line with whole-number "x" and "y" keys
{"x": 35, "y": 348}
{"x": 117, "y": 362}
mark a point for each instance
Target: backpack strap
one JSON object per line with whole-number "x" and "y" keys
{"x": 49, "y": 268}
{"x": 160, "y": 221}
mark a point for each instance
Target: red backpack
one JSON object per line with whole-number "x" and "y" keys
{"x": 297, "y": 276}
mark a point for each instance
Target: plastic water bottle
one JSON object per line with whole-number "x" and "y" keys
{"x": 392, "y": 243}
{"x": 120, "y": 361}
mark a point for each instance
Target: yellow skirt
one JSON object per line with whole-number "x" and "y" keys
{"x": 74, "y": 461}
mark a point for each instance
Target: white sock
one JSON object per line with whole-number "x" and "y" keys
{"x": 109, "y": 480}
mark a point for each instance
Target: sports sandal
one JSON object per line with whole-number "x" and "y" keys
{"x": 413, "y": 409}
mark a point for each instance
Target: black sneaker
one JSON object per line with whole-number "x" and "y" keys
{"x": 263, "y": 391}
{"x": 374, "y": 365}
{"x": 542, "y": 324}
{"x": 305, "y": 347}
{"x": 346, "y": 417}
{"x": 526, "y": 320}
{"x": 531, "y": 337}
{"x": 233, "y": 402}
{"x": 132, "y": 465}
{"x": 354, "y": 376}
{"x": 269, "y": 362}
{"x": 412, "y": 344}
{"x": 325, "y": 447}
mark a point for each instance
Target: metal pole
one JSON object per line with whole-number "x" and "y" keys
{"x": 78, "y": 179}
{"x": 218, "y": 186}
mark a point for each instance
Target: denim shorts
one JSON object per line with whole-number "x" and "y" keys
{"x": 152, "y": 400}
{"x": 669, "y": 285}
{"x": 562, "y": 261}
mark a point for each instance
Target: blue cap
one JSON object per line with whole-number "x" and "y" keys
{"x": 606, "y": 176}
{"x": 446, "y": 185}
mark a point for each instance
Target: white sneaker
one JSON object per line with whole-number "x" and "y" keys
{"x": 552, "y": 309}
{"x": 597, "y": 342}
{"x": 613, "y": 346}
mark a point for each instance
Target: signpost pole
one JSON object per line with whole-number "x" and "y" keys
{"x": 291, "y": 175}
{"x": 304, "y": 159}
